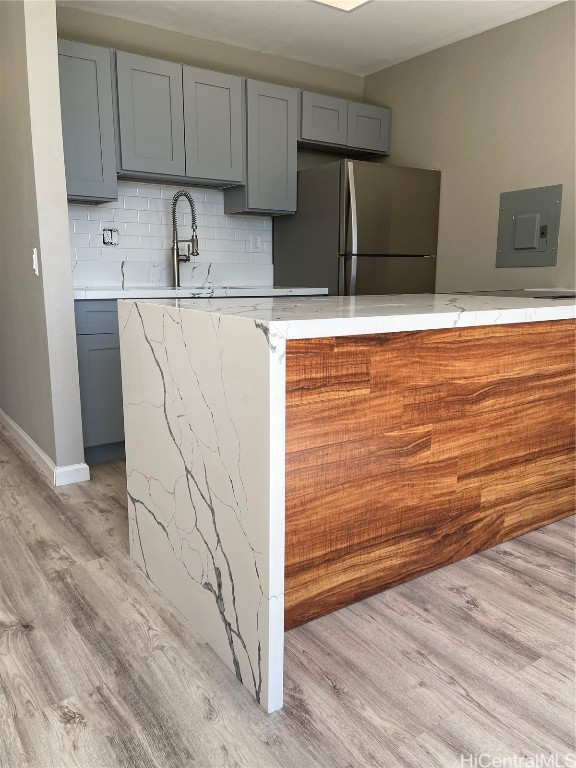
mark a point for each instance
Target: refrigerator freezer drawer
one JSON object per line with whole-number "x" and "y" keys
{"x": 380, "y": 275}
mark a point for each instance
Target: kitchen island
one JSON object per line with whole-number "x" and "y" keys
{"x": 289, "y": 456}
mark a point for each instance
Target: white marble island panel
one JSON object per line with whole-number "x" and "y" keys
{"x": 204, "y": 408}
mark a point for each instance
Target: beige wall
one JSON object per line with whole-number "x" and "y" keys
{"x": 52, "y": 210}
{"x": 38, "y": 365}
{"x": 76, "y": 24}
{"x": 25, "y": 389}
{"x": 495, "y": 113}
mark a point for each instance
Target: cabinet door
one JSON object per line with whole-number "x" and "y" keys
{"x": 213, "y": 120}
{"x": 100, "y": 388}
{"x": 368, "y": 127}
{"x": 87, "y": 121}
{"x": 324, "y": 118}
{"x": 96, "y": 316}
{"x": 272, "y": 133}
{"x": 151, "y": 114}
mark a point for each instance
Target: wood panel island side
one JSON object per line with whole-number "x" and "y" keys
{"x": 287, "y": 457}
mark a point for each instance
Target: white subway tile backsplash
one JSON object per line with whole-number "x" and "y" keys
{"x": 128, "y": 242}
{"x": 130, "y": 189}
{"x": 88, "y": 254}
{"x": 80, "y": 241}
{"x": 76, "y": 211}
{"x": 150, "y": 191}
{"x": 215, "y": 221}
{"x": 150, "y": 217}
{"x": 137, "y": 229}
{"x": 206, "y": 208}
{"x": 114, "y": 254}
{"x": 261, "y": 258}
{"x": 151, "y": 242}
{"x": 159, "y": 205}
{"x": 96, "y": 240}
{"x": 142, "y": 216}
{"x": 222, "y": 245}
{"x": 136, "y": 203}
{"x": 124, "y": 215}
{"x": 138, "y": 254}
{"x": 101, "y": 213}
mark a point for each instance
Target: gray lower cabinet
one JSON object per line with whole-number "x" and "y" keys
{"x": 368, "y": 127}
{"x": 101, "y": 388}
{"x": 213, "y": 120}
{"x": 87, "y": 121}
{"x": 150, "y": 115}
{"x": 271, "y": 146}
{"x": 98, "y": 345}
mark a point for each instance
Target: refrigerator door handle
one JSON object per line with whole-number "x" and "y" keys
{"x": 353, "y": 228}
{"x": 353, "y": 207}
{"x": 353, "y": 273}
{"x": 341, "y": 276}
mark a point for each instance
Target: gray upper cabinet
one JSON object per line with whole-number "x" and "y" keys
{"x": 323, "y": 119}
{"x": 342, "y": 125}
{"x": 87, "y": 121}
{"x": 368, "y": 127}
{"x": 150, "y": 115}
{"x": 213, "y": 120}
{"x": 271, "y": 142}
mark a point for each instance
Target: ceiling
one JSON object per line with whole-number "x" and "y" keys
{"x": 374, "y": 36}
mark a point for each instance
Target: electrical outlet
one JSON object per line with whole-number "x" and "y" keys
{"x": 256, "y": 242}
{"x": 109, "y": 236}
{"x": 35, "y": 266}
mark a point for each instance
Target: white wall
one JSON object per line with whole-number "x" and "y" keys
{"x": 494, "y": 113}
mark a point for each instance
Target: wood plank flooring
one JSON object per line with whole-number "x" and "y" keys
{"x": 409, "y": 451}
{"x": 97, "y": 670}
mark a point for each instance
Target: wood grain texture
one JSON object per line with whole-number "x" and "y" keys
{"x": 409, "y": 451}
{"x": 98, "y": 670}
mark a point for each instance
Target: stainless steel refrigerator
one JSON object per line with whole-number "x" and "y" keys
{"x": 360, "y": 228}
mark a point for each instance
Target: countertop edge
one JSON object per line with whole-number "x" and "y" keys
{"x": 82, "y": 294}
{"x": 326, "y": 316}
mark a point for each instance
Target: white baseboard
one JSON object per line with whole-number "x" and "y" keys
{"x": 72, "y": 473}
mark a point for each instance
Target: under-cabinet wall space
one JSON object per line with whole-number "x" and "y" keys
{"x": 142, "y": 216}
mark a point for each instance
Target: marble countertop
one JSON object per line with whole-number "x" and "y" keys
{"x": 321, "y": 316}
{"x": 192, "y": 292}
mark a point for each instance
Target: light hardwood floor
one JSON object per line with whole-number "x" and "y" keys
{"x": 97, "y": 670}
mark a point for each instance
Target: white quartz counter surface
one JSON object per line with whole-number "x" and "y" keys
{"x": 192, "y": 292}
{"x": 321, "y": 316}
